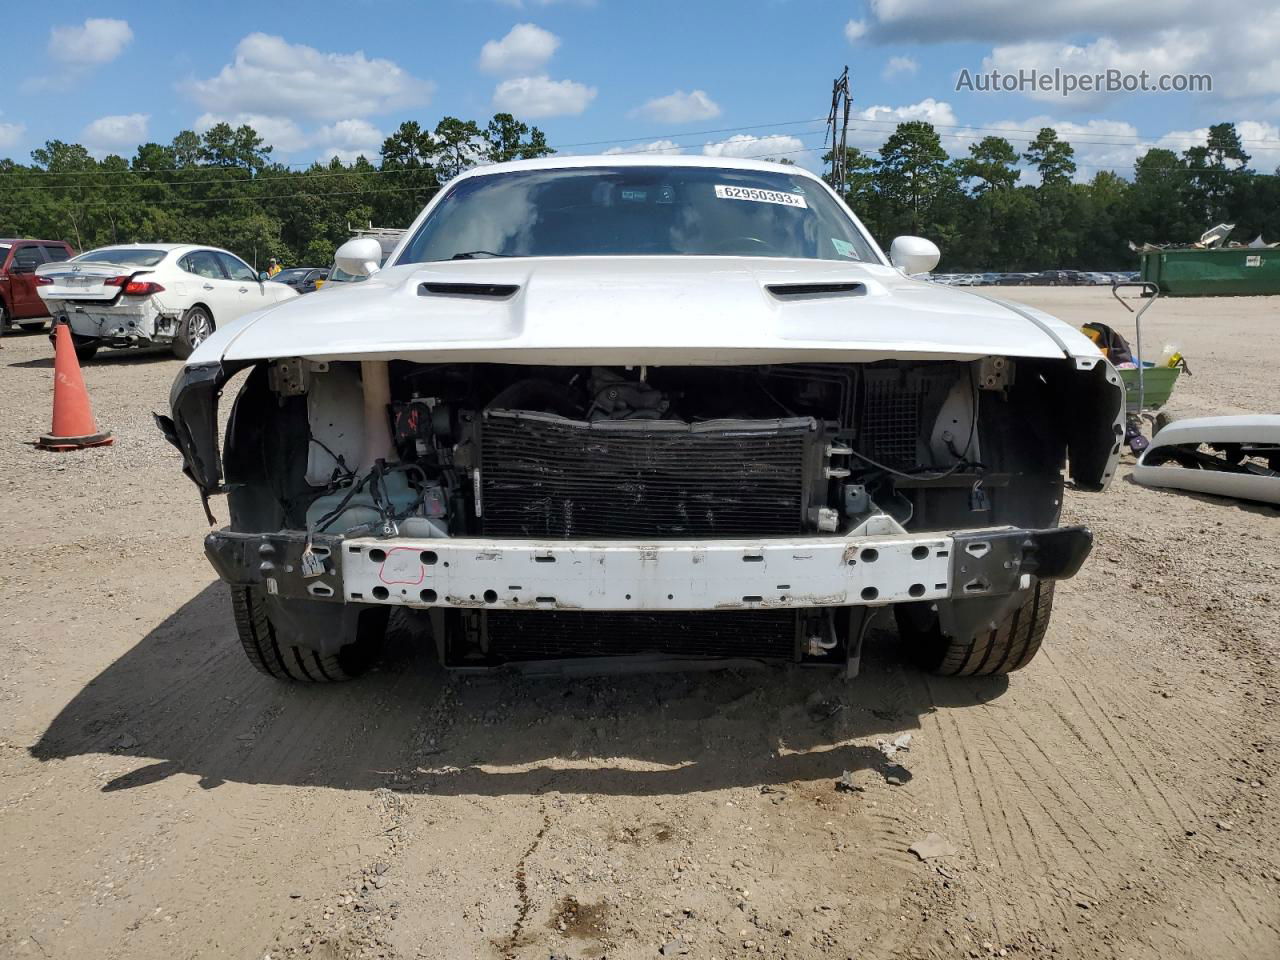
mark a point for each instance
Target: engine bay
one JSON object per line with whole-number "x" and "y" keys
{"x": 561, "y": 452}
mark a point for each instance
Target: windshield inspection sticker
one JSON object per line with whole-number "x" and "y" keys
{"x": 844, "y": 248}
{"x": 760, "y": 196}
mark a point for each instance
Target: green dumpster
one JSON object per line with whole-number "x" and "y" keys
{"x": 1220, "y": 272}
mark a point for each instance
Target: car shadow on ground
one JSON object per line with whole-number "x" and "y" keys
{"x": 108, "y": 358}
{"x": 185, "y": 699}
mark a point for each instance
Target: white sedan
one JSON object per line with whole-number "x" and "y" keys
{"x": 155, "y": 293}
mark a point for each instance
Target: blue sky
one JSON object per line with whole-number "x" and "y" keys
{"x": 333, "y": 78}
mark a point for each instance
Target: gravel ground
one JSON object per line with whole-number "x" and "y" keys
{"x": 158, "y": 799}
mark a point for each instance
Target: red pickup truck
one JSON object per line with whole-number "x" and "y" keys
{"x": 19, "y": 302}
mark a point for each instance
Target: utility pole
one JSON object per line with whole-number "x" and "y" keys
{"x": 837, "y": 135}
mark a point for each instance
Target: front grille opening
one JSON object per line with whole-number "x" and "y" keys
{"x": 548, "y": 476}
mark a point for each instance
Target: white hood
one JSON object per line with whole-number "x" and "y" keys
{"x": 644, "y": 310}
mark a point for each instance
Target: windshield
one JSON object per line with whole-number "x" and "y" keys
{"x": 286, "y": 276}
{"x": 129, "y": 256}
{"x": 622, "y": 211}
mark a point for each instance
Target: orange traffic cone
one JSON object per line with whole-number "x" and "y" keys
{"x": 73, "y": 425}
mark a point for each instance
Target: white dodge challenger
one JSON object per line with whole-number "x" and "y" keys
{"x": 624, "y": 412}
{"x": 140, "y": 295}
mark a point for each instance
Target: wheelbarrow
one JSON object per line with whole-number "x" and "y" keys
{"x": 1147, "y": 387}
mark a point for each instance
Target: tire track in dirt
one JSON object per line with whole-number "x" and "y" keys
{"x": 989, "y": 787}
{"x": 1029, "y": 789}
{"x": 1148, "y": 794}
{"x": 953, "y": 799}
{"x": 1099, "y": 711}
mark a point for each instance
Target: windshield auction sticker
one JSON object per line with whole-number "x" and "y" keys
{"x": 760, "y": 196}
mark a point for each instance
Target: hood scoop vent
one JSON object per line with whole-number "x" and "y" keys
{"x": 817, "y": 291}
{"x": 490, "y": 291}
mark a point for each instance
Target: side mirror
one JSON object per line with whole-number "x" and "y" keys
{"x": 263, "y": 276}
{"x": 914, "y": 255}
{"x": 359, "y": 257}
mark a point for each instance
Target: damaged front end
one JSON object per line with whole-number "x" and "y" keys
{"x": 547, "y": 514}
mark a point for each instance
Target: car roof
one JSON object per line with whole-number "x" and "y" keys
{"x": 560, "y": 162}
{"x": 168, "y": 247}
{"x": 32, "y": 240}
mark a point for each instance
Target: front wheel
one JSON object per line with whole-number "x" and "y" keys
{"x": 195, "y": 327}
{"x": 1010, "y": 646}
{"x": 273, "y": 650}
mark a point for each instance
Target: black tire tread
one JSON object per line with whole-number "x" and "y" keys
{"x": 1010, "y": 646}
{"x": 274, "y": 656}
{"x": 181, "y": 346}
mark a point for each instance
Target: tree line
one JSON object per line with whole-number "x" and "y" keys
{"x": 222, "y": 187}
{"x": 984, "y": 217}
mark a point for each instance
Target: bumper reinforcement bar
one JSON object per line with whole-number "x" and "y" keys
{"x": 665, "y": 575}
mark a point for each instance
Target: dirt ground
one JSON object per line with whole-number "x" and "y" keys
{"x": 158, "y": 799}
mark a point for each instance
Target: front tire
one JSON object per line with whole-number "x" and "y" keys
{"x": 1010, "y": 646}
{"x": 195, "y": 327}
{"x": 273, "y": 652}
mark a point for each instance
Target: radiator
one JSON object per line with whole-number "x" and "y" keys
{"x": 544, "y": 476}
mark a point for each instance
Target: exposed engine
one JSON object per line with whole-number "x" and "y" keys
{"x": 665, "y": 452}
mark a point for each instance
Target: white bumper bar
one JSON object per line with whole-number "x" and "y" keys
{"x": 627, "y": 575}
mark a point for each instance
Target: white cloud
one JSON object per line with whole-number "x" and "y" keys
{"x": 279, "y": 132}
{"x": 524, "y": 49}
{"x": 1098, "y": 144}
{"x": 680, "y": 107}
{"x": 897, "y": 65}
{"x": 868, "y": 128}
{"x": 934, "y": 111}
{"x": 535, "y": 97}
{"x": 11, "y": 134}
{"x": 1264, "y": 156}
{"x": 657, "y": 147}
{"x": 855, "y": 30}
{"x": 94, "y": 42}
{"x": 120, "y": 130}
{"x": 1165, "y": 53}
{"x": 294, "y": 80}
{"x": 345, "y": 139}
{"x": 349, "y": 139}
{"x": 745, "y": 146}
